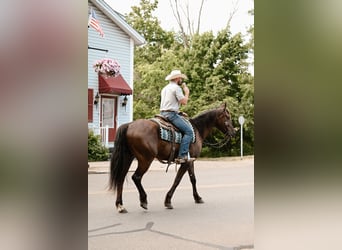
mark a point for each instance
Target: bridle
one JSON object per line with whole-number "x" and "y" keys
{"x": 221, "y": 143}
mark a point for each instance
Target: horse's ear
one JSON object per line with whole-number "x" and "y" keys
{"x": 224, "y": 105}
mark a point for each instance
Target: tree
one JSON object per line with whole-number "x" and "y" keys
{"x": 216, "y": 66}
{"x": 188, "y": 31}
{"x": 141, "y": 18}
{"x": 181, "y": 12}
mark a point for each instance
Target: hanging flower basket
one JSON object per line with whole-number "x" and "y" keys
{"x": 108, "y": 67}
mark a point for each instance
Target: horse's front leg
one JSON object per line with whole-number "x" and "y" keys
{"x": 179, "y": 176}
{"x": 192, "y": 176}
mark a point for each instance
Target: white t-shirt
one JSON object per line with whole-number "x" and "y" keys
{"x": 171, "y": 94}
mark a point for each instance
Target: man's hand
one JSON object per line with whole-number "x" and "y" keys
{"x": 183, "y": 114}
{"x": 185, "y": 88}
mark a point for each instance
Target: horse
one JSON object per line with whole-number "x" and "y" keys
{"x": 140, "y": 139}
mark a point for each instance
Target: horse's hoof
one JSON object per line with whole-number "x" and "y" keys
{"x": 168, "y": 206}
{"x": 121, "y": 209}
{"x": 143, "y": 205}
{"x": 199, "y": 201}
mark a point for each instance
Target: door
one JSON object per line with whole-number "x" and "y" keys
{"x": 108, "y": 115}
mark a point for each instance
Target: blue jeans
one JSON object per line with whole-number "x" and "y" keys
{"x": 184, "y": 127}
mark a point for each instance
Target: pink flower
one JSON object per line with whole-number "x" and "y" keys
{"x": 107, "y": 66}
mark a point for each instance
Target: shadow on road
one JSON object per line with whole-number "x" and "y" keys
{"x": 148, "y": 228}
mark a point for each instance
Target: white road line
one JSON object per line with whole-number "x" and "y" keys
{"x": 130, "y": 190}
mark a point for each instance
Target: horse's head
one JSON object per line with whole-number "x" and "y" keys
{"x": 224, "y": 121}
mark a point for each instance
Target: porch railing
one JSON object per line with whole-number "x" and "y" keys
{"x": 103, "y": 133}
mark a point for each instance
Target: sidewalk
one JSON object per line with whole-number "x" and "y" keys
{"x": 101, "y": 167}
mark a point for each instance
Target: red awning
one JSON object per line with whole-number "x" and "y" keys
{"x": 114, "y": 85}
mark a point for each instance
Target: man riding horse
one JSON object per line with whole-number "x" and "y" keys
{"x": 172, "y": 98}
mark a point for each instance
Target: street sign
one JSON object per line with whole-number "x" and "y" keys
{"x": 241, "y": 121}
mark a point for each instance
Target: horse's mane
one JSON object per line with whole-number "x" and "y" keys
{"x": 202, "y": 120}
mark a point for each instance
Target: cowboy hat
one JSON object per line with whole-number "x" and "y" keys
{"x": 175, "y": 74}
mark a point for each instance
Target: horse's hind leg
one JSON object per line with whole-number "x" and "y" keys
{"x": 192, "y": 176}
{"x": 176, "y": 182}
{"x": 137, "y": 176}
{"x": 119, "y": 203}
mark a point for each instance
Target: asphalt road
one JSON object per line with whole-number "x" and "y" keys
{"x": 224, "y": 221}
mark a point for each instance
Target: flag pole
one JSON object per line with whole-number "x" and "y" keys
{"x": 105, "y": 50}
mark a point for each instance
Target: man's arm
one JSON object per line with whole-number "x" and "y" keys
{"x": 186, "y": 90}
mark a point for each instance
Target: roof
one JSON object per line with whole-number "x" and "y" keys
{"x": 119, "y": 21}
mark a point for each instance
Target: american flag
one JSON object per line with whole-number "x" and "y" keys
{"x": 93, "y": 22}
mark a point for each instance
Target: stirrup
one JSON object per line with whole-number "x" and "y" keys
{"x": 184, "y": 160}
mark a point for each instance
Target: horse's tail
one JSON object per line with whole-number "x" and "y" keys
{"x": 121, "y": 158}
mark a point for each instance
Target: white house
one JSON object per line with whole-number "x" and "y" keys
{"x": 110, "y": 100}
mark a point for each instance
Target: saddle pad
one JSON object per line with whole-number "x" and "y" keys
{"x": 166, "y": 133}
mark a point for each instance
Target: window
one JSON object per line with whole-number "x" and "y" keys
{"x": 90, "y": 104}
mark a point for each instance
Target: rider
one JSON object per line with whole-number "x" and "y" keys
{"x": 171, "y": 98}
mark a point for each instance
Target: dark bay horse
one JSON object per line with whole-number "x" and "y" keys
{"x": 140, "y": 139}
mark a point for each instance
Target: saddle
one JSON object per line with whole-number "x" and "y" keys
{"x": 169, "y": 132}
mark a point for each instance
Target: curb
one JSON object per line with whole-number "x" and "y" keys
{"x": 103, "y": 167}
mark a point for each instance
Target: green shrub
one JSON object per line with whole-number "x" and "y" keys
{"x": 96, "y": 151}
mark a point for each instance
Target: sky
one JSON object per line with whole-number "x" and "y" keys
{"x": 215, "y": 13}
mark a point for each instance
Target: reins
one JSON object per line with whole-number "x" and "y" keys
{"x": 219, "y": 144}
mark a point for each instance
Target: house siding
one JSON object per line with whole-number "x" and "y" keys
{"x": 121, "y": 48}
